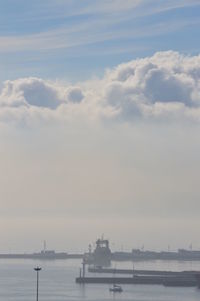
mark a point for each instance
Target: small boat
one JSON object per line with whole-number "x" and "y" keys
{"x": 116, "y": 289}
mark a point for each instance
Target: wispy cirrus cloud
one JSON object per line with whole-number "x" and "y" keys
{"x": 102, "y": 25}
{"x": 64, "y": 37}
{"x": 136, "y": 7}
{"x": 111, "y": 31}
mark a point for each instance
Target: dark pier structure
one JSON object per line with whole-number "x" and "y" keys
{"x": 135, "y": 272}
{"x": 153, "y": 280}
{"x": 137, "y": 255}
{"x": 42, "y": 256}
{"x": 145, "y": 277}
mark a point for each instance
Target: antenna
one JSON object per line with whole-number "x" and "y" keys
{"x": 45, "y": 247}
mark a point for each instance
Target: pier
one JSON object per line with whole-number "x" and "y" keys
{"x": 145, "y": 277}
{"x": 140, "y": 272}
{"x": 145, "y": 280}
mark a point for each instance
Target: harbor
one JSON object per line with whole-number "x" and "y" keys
{"x": 57, "y": 282}
{"x": 102, "y": 255}
{"x": 97, "y": 267}
{"x": 101, "y": 260}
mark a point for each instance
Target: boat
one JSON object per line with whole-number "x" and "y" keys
{"x": 116, "y": 289}
{"x": 101, "y": 256}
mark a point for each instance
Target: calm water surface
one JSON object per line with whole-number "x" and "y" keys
{"x": 57, "y": 283}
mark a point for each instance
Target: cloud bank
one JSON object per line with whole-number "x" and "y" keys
{"x": 163, "y": 86}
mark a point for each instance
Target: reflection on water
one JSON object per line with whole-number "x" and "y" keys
{"x": 57, "y": 282}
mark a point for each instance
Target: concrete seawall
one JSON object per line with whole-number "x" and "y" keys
{"x": 140, "y": 272}
{"x": 153, "y": 277}
{"x": 148, "y": 280}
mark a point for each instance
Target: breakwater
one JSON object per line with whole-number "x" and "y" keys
{"x": 148, "y": 280}
{"x": 42, "y": 256}
{"x": 140, "y": 272}
{"x": 146, "y": 277}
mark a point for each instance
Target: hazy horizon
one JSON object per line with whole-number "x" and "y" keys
{"x": 121, "y": 180}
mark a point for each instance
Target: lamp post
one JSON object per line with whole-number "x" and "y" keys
{"x": 37, "y": 269}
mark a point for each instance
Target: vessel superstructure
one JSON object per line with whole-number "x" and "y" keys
{"x": 101, "y": 256}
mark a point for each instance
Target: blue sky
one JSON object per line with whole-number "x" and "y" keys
{"x": 75, "y": 39}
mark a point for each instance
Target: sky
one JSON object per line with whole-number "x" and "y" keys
{"x": 99, "y": 124}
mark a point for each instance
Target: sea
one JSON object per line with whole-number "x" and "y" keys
{"x": 57, "y": 282}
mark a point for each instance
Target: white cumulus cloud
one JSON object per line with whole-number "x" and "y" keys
{"x": 165, "y": 85}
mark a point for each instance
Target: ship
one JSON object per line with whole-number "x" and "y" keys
{"x": 101, "y": 256}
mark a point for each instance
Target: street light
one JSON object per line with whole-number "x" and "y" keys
{"x": 37, "y": 270}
